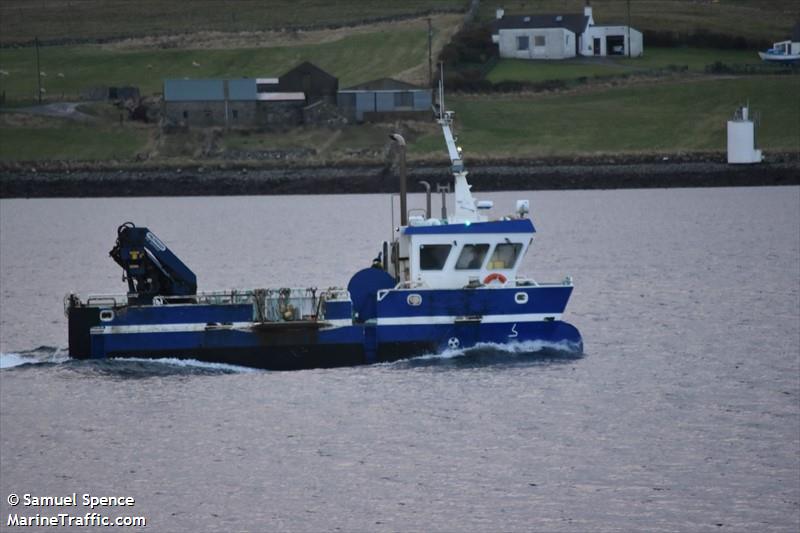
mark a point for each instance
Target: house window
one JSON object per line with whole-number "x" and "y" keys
{"x": 523, "y": 42}
{"x": 404, "y": 99}
{"x": 185, "y": 114}
{"x": 472, "y": 257}
{"x": 505, "y": 256}
{"x": 433, "y": 256}
{"x": 538, "y": 40}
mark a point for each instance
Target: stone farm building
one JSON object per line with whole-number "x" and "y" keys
{"x": 305, "y": 93}
{"x": 561, "y": 36}
{"x": 237, "y": 103}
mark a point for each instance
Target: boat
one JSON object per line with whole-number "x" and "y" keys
{"x": 441, "y": 282}
{"x": 787, "y": 51}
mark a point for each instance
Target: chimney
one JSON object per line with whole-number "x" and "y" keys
{"x": 499, "y": 13}
{"x": 587, "y": 10}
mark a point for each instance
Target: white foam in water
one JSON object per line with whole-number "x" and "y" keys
{"x": 10, "y": 360}
{"x": 512, "y": 347}
{"x": 194, "y": 363}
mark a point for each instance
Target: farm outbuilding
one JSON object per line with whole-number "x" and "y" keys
{"x": 561, "y": 36}
{"x": 236, "y": 103}
{"x": 311, "y": 80}
{"x": 385, "y": 99}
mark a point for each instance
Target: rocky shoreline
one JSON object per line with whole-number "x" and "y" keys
{"x": 608, "y": 172}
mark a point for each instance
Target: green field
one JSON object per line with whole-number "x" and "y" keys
{"x": 68, "y": 69}
{"x": 769, "y": 20}
{"x": 30, "y": 138}
{"x": 688, "y": 115}
{"x": 668, "y": 117}
{"x": 22, "y": 20}
{"x": 695, "y": 59}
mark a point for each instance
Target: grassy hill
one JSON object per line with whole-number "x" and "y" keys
{"x": 22, "y": 20}
{"x": 666, "y": 117}
{"x": 694, "y": 59}
{"x": 381, "y": 50}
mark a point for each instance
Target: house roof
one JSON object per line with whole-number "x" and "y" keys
{"x": 384, "y": 84}
{"x": 307, "y": 67}
{"x": 575, "y": 23}
{"x": 209, "y": 90}
{"x": 281, "y": 97}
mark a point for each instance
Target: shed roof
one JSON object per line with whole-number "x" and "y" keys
{"x": 282, "y": 97}
{"x": 193, "y": 90}
{"x": 209, "y": 90}
{"x": 308, "y": 67}
{"x": 575, "y": 23}
{"x": 384, "y": 84}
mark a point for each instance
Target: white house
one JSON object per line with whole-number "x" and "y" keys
{"x": 562, "y": 36}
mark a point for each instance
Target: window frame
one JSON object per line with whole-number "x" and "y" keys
{"x": 427, "y": 266}
{"x": 482, "y": 255}
{"x": 517, "y": 246}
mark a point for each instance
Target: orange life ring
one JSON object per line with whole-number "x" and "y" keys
{"x": 494, "y": 276}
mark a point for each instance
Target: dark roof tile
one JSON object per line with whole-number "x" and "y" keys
{"x": 575, "y": 23}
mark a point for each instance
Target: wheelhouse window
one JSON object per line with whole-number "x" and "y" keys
{"x": 433, "y": 256}
{"x": 472, "y": 256}
{"x": 523, "y": 42}
{"x": 538, "y": 40}
{"x": 505, "y": 256}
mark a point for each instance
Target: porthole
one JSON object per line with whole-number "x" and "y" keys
{"x": 521, "y": 297}
{"x": 106, "y": 315}
{"x": 414, "y": 299}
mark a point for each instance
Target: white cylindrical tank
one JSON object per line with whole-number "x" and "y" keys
{"x": 741, "y": 139}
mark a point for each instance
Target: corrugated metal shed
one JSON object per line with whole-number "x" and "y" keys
{"x": 242, "y": 89}
{"x": 193, "y": 90}
{"x": 206, "y": 90}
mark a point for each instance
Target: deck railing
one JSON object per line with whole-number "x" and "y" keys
{"x": 269, "y": 305}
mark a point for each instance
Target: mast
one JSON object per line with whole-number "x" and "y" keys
{"x": 466, "y": 209}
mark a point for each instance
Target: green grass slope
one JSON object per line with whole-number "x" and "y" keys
{"x": 359, "y": 57}
{"x": 31, "y": 138}
{"x": 669, "y": 117}
{"x": 22, "y": 20}
{"x": 695, "y": 59}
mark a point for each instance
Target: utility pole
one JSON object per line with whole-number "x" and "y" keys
{"x": 38, "y": 70}
{"x": 430, "y": 54}
{"x": 629, "y": 28}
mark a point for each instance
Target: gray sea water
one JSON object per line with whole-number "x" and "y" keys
{"x": 682, "y": 415}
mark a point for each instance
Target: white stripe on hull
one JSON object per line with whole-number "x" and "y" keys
{"x": 445, "y": 320}
{"x": 328, "y": 324}
{"x": 196, "y": 327}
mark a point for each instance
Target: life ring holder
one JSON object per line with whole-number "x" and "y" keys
{"x": 495, "y": 276}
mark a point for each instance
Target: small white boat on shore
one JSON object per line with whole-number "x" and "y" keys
{"x": 787, "y": 51}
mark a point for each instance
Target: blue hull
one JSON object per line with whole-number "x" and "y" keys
{"x": 300, "y": 348}
{"x": 407, "y": 323}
